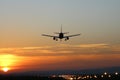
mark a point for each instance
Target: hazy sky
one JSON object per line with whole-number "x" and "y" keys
{"x": 23, "y": 21}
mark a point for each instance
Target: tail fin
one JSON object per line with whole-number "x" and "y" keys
{"x": 65, "y": 32}
{"x": 61, "y": 28}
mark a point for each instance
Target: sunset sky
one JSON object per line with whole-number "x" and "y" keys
{"x": 22, "y": 48}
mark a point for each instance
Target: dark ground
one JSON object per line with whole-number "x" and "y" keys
{"x": 9, "y": 77}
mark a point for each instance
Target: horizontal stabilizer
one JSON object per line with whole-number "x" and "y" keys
{"x": 56, "y": 32}
{"x": 73, "y": 35}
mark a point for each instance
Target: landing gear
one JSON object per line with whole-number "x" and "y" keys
{"x": 66, "y": 38}
{"x": 56, "y": 39}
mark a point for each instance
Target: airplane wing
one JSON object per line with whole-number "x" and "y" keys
{"x": 72, "y": 35}
{"x": 49, "y": 35}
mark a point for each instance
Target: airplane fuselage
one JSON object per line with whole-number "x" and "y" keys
{"x": 61, "y": 35}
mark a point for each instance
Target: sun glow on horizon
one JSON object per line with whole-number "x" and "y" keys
{"x": 5, "y": 69}
{"x": 6, "y": 61}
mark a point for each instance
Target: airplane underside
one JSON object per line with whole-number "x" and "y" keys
{"x": 66, "y": 38}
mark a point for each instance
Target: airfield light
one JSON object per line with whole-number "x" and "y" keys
{"x": 71, "y": 78}
{"x": 102, "y": 76}
{"x": 95, "y": 76}
{"x": 109, "y": 76}
{"x": 79, "y": 77}
{"x": 90, "y": 76}
{"x": 116, "y": 73}
{"x": 87, "y": 76}
{"x": 105, "y": 73}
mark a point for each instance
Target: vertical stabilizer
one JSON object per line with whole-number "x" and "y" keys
{"x": 61, "y": 28}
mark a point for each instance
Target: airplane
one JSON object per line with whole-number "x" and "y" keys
{"x": 61, "y": 35}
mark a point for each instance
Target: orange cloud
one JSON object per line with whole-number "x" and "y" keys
{"x": 100, "y": 45}
{"x": 64, "y": 56}
{"x": 62, "y": 50}
{"x": 68, "y": 62}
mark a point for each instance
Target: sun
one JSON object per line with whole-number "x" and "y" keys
{"x": 5, "y": 69}
{"x": 6, "y": 61}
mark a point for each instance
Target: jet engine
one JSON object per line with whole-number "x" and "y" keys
{"x": 54, "y": 38}
{"x": 66, "y": 38}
